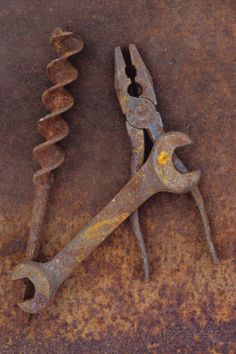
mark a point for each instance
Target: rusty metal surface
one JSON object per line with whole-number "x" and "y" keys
{"x": 188, "y": 307}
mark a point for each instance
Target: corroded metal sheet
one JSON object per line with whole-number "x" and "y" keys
{"x": 188, "y": 307}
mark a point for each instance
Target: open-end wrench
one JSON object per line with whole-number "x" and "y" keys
{"x": 158, "y": 174}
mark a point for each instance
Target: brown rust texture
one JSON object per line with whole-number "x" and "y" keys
{"x": 189, "y": 304}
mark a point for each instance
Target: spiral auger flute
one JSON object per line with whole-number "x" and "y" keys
{"x": 53, "y": 128}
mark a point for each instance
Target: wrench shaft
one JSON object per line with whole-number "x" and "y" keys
{"x": 141, "y": 187}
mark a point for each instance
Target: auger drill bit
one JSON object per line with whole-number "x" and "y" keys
{"x": 53, "y": 128}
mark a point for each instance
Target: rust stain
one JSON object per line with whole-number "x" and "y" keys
{"x": 103, "y": 224}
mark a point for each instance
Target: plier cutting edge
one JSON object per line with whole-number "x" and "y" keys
{"x": 136, "y": 95}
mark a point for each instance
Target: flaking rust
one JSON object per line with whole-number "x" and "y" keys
{"x": 53, "y": 128}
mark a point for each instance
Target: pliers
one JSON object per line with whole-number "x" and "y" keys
{"x": 136, "y": 95}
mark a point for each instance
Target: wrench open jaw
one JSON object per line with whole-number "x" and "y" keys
{"x": 141, "y": 113}
{"x": 44, "y": 289}
{"x": 158, "y": 174}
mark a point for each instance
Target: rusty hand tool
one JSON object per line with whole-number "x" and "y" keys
{"x": 53, "y": 128}
{"x": 158, "y": 174}
{"x": 136, "y": 95}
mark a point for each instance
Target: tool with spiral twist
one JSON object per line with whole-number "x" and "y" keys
{"x": 53, "y": 128}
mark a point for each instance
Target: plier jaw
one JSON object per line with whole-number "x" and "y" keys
{"x": 123, "y": 80}
{"x": 140, "y": 109}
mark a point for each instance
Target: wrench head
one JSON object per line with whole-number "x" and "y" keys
{"x": 40, "y": 279}
{"x": 171, "y": 179}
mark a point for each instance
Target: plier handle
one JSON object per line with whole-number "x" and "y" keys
{"x": 139, "y": 107}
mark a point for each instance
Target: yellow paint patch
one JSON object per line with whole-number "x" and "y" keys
{"x": 163, "y": 158}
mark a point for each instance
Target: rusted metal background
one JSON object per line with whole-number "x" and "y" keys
{"x": 189, "y": 305}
